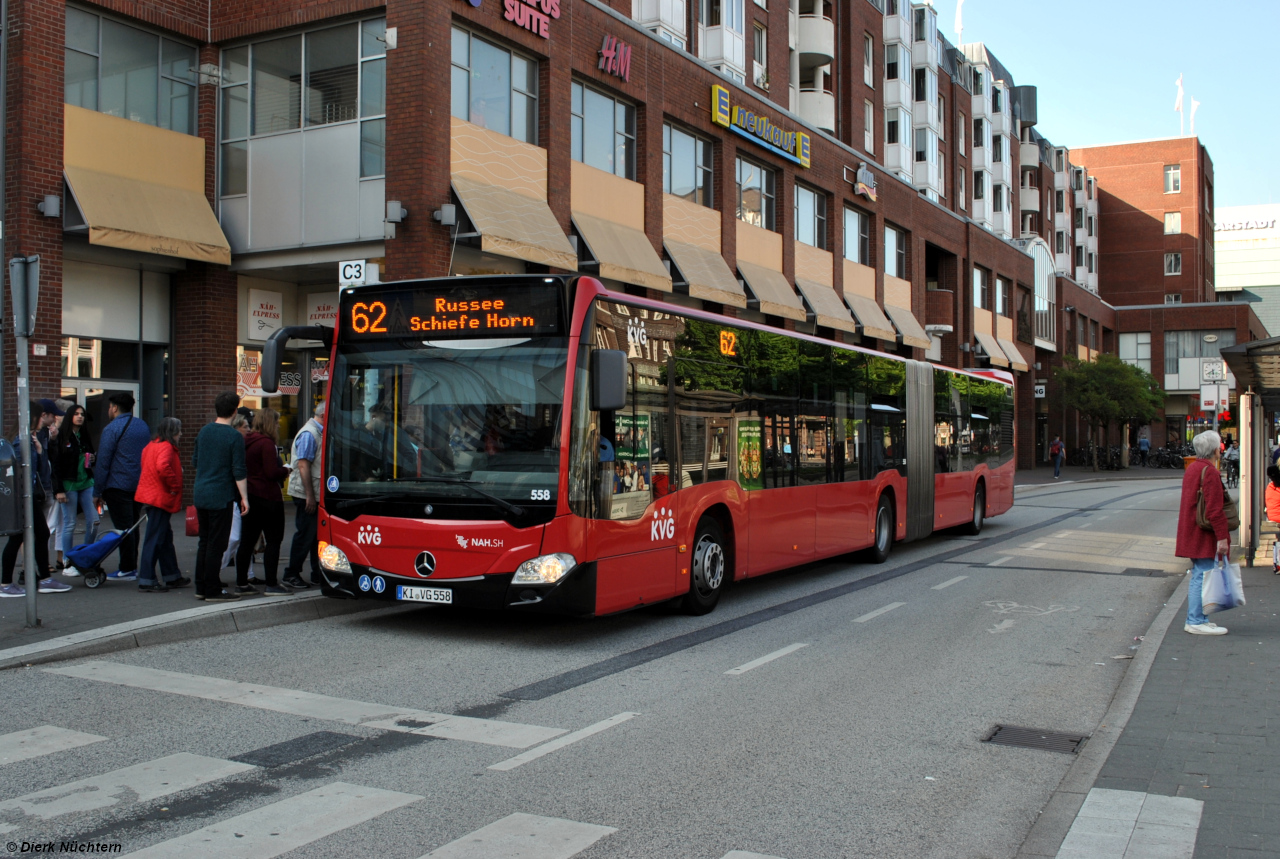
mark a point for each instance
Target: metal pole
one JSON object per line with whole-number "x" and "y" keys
{"x": 28, "y": 506}
{"x": 4, "y": 126}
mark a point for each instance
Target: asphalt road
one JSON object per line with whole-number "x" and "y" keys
{"x": 401, "y": 732}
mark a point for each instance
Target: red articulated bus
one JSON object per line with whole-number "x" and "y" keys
{"x": 541, "y": 443}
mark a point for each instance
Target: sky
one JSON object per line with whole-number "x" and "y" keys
{"x": 1105, "y": 72}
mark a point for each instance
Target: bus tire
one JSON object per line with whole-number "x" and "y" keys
{"x": 708, "y": 568}
{"x": 879, "y": 551}
{"x": 974, "y": 528}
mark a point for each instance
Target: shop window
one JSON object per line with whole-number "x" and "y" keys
{"x": 603, "y": 132}
{"x": 755, "y": 194}
{"x": 857, "y": 236}
{"x": 811, "y": 217}
{"x": 494, "y": 88}
{"x": 686, "y": 166}
{"x": 129, "y": 72}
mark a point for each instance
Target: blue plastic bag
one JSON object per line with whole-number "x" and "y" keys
{"x": 1223, "y": 588}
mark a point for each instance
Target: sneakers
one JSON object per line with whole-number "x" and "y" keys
{"x": 71, "y": 572}
{"x": 52, "y": 586}
{"x": 246, "y": 590}
{"x": 296, "y": 582}
{"x": 123, "y": 576}
{"x": 153, "y": 589}
{"x": 12, "y": 591}
{"x": 277, "y": 591}
{"x": 1206, "y": 628}
{"x": 180, "y": 582}
{"x": 222, "y": 596}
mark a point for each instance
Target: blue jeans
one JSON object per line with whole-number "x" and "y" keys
{"x": 157, "y": 547}
{"x": 83, "y": 499}
{"x": 1195, "y": 603}
{"x": 1057, "y": 464}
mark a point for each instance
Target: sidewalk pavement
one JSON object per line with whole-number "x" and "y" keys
{"x": 1201, "y": 746}
{"x": 1043, "y": 474}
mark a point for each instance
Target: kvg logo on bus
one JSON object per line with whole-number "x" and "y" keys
{"x": 663, "y": 526}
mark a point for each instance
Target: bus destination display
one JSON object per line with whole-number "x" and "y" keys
{"x": 504, "y": 310}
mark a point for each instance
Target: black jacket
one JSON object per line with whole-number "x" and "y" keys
{"x": 68, "y": 451}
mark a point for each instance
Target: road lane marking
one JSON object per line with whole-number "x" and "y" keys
{"x": 1034, "y": 546}
{"x": 312, "y": 706}
{"x": 140, "y": 783}
{"x": 560, "y": 742}
{"x": 524, "y": 836}
{"x": 768, "y": 657}
{"x": 949, "y": 582}
{"x": 874, "y": 614}
{"x": 282, "y": 826}
{"x": 1000, "y": 560}
{"x": 44, "y": 740}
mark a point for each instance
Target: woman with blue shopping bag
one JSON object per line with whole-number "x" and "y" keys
{"x": 1203, "y": 497}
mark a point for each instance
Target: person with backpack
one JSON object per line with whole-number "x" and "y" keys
{"x": 1057, "y": 452}
{"x": 73, "y": 479}
{"x": 116, "y": 476}
{"x": 160, "y": 489}
{"x": 304, "y": 487}
{"x": 41, "y": 477}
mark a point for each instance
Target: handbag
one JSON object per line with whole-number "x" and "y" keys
{"x": 1230, "y": 509}
{"x": 1222, "y": 588}
{"x": 193, "y": 522}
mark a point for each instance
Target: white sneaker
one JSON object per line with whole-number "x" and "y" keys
{"x": 1205, "y": 628}
{"x": 71, "y": 572}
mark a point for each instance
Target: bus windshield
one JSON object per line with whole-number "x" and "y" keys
{"x": 460, "y": 422}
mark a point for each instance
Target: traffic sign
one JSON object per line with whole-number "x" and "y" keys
{"x": 351, "y": 273}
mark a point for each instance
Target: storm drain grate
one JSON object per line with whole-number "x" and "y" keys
{"x": 1034, "y": 738}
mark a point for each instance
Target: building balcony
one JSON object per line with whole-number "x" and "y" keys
{"x": 1000, "y": 122}
{"x": 1029, "y": 199}
{"x": 1029, "y": 154}
{"x": 925, "y": 175}
{"x": 897, "y": 93}
{"x": 722, "y": 46}
{"x": 1080, "y": 237}
{"x": 980, "y": 107}
{"x": 1060, "y": 182}
{"x": 818, "y": 108}
{"x": 816, "y": 41}
{"x": 979, "y": 159}
{"x": 898, "y": 158}
{"x": 669, "y": 16}
{"x": 897, "y": 29}
{"x": 925, "y": 54}
{"x": 1079, "y": 198}
{"x": 940, "y": 307}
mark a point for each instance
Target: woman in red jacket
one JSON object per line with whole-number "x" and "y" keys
{"x": 160, "y": 489}
{"x": 1203, "y": 546}
{"x": 266, "y": 504}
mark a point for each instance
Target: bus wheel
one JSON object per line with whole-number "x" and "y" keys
{"x": 879, "y": 550}
{"x": 974, "y": 528}
{"x": 707, "y": 569}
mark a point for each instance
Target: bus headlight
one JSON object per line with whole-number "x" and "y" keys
{"x": 545, "y": 569}
{"x": 334, "y": 559}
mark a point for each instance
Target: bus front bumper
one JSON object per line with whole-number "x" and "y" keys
{"x": 575, "y": 594}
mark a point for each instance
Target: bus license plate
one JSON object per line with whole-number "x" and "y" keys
{"x": 436, "y": 595}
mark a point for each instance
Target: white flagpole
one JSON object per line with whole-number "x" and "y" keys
{"x": 960, "y": 22}
{"x": 1177, "y": 104}
{"x": 1194, "y": 104}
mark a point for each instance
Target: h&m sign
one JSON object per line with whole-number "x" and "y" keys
{"x": 615, "y": 58}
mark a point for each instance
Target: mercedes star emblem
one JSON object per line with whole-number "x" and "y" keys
{"x": 425, "y": 564}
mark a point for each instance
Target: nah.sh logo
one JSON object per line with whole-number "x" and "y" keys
{"x": 462, "y": 541}
{"x": 478, "y": 542}
{"x": 369, "y": 535}
{"x": 663, "y": 526}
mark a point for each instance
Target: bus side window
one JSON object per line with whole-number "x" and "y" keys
{"x": 887, "y": 380}
{"x": 816, "y": 414}
{"x": 773, "y": 388}
{"x": 849, "y": 380}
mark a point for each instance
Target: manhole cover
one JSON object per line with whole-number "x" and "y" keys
{"x": 1035, "y": 738}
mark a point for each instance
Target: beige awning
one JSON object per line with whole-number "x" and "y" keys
{"x": 514, "y": 225}
{"x": 913, "y": 333}
{"x": 827, "y": 307}
{"x": 708, "y": 275}
{"x": 1014, "y": 354}
{"x": 772, "y": 292}
{"x": 139, "y": 187}
{"x": 871, "y": 319}
{"x": 624, "y": 253}
{"x": 992, "y": 347}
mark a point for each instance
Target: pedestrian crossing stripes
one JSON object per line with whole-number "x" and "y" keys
{"x": 524, "y": 836}
{"x": 139, "y": 783}
{"x": 283, "y": 826}
{"x": 44, "y": 740}
{"x": 312, "y": 706}
{"x": 561, "y": 742}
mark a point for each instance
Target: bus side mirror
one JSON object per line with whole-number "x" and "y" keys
{"x": 273, "y": 350}
{"x": 608, "y": 380}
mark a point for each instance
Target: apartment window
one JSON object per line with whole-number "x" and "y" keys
{"x": 942, "y": 171}
{"x": 1089, "y": 188}
{"x": 1135, "y": 349}
{"x": 603, "y": 131}
{"x": 129, "y": 72}
{"x": 1060, "y": 242}
{"x": 755, "y": 194}
{"x": 1079, "y": 256}
{"x": 891, "y": 125}
{"x": 1079, "y": 218}
{"x": 895, "y": 252}
{"x": 979, "y": 134}
{"x": 494, "y": 88}
{"x": 981, "y": 288}
{"x": 1172, "y": 223}
{"x": 868, "y": 58}
{"x": 1004, "y": 297}
{"x": 1059, "y": 159}
{"x": 307, "y": 80}
{"x": 977, "y": 82}
{"x": 1091, "y": 225}
{"x": 922, "y": 144}
{"x": 686, "y": 166}
{"x": 891, "y": 61}
{"x": 1093, "y": 334}
{"x": 1171, "y": 299}
{"x": 869, "y": 127}
{"x": 1173, "y": 263}
{"x": 979, "y": 185}
{"x": 942, "y": 117}
{"x": 995, "y": 100}
{"x": 960, "y": 187}
{"x": 1059, "y": 201}
{"x": 1090, "y": 263}
{"x": 811, "y": 217}
{"x": 857, "y": 236}
{"x": 997, "y": 147}
{"x": 760, "y": 54}
{"x": 919, "y": 28}
{"x": 921, "y": 85}
{"x": 997, "y": 198}
{"x": 1172, "y": 178}
{"x": 961, "y": 124}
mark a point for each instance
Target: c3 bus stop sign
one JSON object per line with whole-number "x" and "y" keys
{"x": 351, "y": 273}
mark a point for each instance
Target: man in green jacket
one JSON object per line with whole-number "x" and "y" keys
{"x": 221, "y": 482}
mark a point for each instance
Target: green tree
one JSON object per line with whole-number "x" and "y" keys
{"x": 1108, "y": 391}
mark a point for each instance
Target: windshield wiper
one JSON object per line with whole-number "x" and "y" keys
{"x": 352, "y": 501}
{"x": 500, "y": 503}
